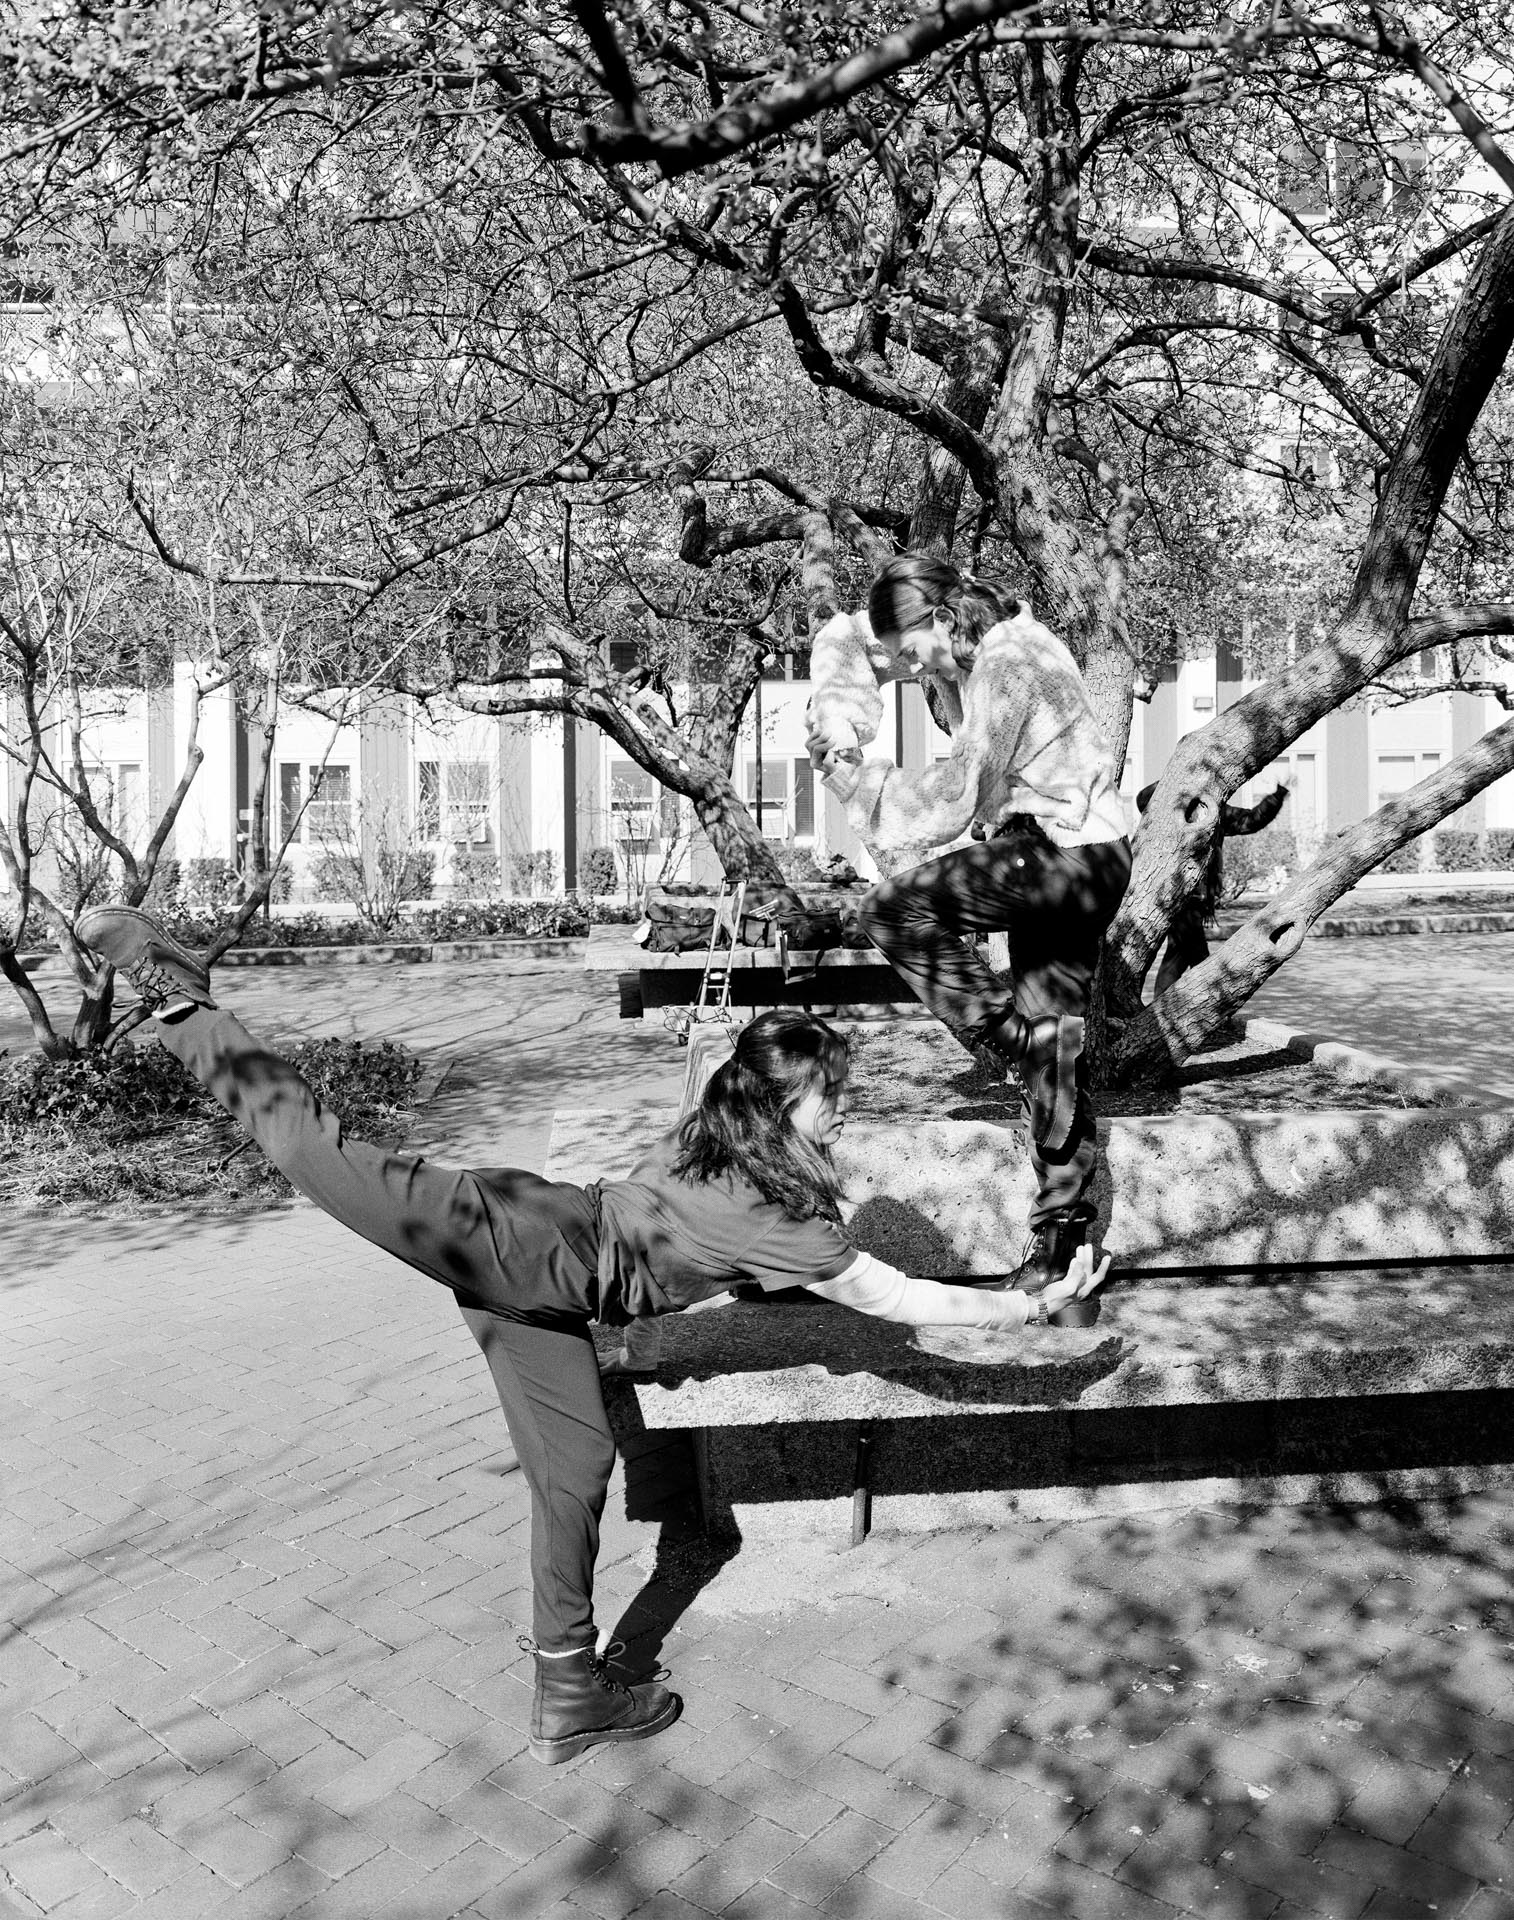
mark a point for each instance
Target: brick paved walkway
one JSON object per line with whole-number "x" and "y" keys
{"x": 263, "y": 1555}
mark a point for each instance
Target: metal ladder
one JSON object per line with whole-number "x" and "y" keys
{"x": 714, "y": 1001}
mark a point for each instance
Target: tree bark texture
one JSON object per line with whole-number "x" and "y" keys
{"x": 1371, "y": 634}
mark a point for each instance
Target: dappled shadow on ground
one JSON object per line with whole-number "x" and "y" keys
{"x": 662, "y": 1486}
{"x": 1220, "y": 1710}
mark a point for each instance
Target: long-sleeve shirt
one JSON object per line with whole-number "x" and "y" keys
{"x": 667, "y": 1244}
{"x": 1028, "y": 743}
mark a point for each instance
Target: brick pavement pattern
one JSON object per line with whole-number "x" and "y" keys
{"x": 263, "y": 1560}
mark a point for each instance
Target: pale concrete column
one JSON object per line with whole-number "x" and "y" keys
{"x": 1159, "y": 726}
{"x": 383, "y": 778}
{"x": 590, "y": 801}
{"x": 513, "y": 802}
{"x": 1469, "y": 722}
{"x": 208, "y": 822}
{"x": 163, "y": 767}
{"x": 1348, "y": 767}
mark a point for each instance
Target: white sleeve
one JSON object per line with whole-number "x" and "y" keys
{"x": 871, "y": 1287}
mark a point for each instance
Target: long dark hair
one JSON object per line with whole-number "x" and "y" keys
{"x": 909, "y": 588}
{"x": 741, "y": 1124}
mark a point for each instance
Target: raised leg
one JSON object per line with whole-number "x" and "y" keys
{"x": 507, "y": 1238}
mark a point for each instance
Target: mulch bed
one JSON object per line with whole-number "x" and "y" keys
{"x": 146, "y": 1140}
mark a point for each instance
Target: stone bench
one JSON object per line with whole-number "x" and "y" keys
{"x": 1310, "y": 1306}
{"x": 1345, "y": 1386}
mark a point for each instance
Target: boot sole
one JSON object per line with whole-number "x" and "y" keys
{"x": 181, "y": 954}
{"x": 552, "y": 1753}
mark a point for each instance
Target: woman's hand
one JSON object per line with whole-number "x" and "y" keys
{"x": 830, "y": 742}
{"x": 1080, "y": 1280}
{"x": 841, "y": 771}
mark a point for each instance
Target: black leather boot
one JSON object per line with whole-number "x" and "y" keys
{"x": 1048, "y": 1254}
{"x": 578, "y": 1706}
{"x": 1046, "y": 1054}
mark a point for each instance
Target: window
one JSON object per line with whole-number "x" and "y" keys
{"x": 116, "y": 790}
{"x": 1397, "y": 772}
{"x": 329, "y": 815}
{"x": 1429, "y": 663}
{"x": 1358, "y": 180}
{"x": 289, "y": 799}
{"x": 774, "y": 821}
{"x": 633, "y": 805}
{"x": 1303, "y": 184}
{"x": 1309, "y": 462}
{"x": 804, "y": 800}
{"x": 1408, "y": 164}
{"x": 465, "y": 792}
{"x": 428, "y": 800}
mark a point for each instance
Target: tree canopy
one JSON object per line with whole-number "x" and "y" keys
{"x": 599, "y": 348}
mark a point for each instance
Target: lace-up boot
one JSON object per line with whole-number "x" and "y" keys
{"x": 1048, "y": 1254}
{"x": 578, "y": 1705}
{"x": 163, "y": 972}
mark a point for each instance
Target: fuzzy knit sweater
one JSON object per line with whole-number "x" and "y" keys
{"x": 1027, "y": 743}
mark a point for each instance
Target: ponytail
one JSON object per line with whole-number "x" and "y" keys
{"x": 911, "y": 586}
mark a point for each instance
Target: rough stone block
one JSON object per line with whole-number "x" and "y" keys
{"x": 951, "y": 1196}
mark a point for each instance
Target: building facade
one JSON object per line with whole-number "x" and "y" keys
{"x": 522, "y": 806}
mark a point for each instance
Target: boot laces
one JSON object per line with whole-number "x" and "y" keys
{"x": 598, "y": 1663}
{"x": 154, "y": 984}
{"x": 599, "y": 1666}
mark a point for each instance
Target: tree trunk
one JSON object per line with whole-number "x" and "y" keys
{"x": 1209, "y": 765}
{"x": 741, "y": 850}
{"x": 1166, "y": 1032}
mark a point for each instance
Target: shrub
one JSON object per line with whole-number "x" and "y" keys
{"x": 131, "y": 1124}
{"x": 597, "y": 871}
{"x": 209, "y": 883}
{"x": 475, "y": 876}
{"x": 130, "y": 1092}
{"x": 1405, "y": 859}
{"x": 1454, "y": 850}
{"x": 329, "y": 876}
{"x": 1250, "y": 857}
{"x": 414, "y": 869}
{"x": 1500, "y": 848}
{"x": 535, "y": 872}
{"x": 167, "y": 877}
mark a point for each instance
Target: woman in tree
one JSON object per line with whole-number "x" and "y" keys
{"x": 743, "y": 1190}
{"x": 1031, "y": 777}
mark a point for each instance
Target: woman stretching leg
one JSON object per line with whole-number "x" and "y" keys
{"x": 744, "y": 1190}
{"x": 1031, "y": 777}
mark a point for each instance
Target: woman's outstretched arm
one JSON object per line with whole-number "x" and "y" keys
{"x": 870, "y": 1286}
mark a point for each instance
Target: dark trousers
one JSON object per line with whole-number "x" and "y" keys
{"x": 518, "y": 1250}
{"x": 1187, "y": 945}
{"x": 1054, "y": 903}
